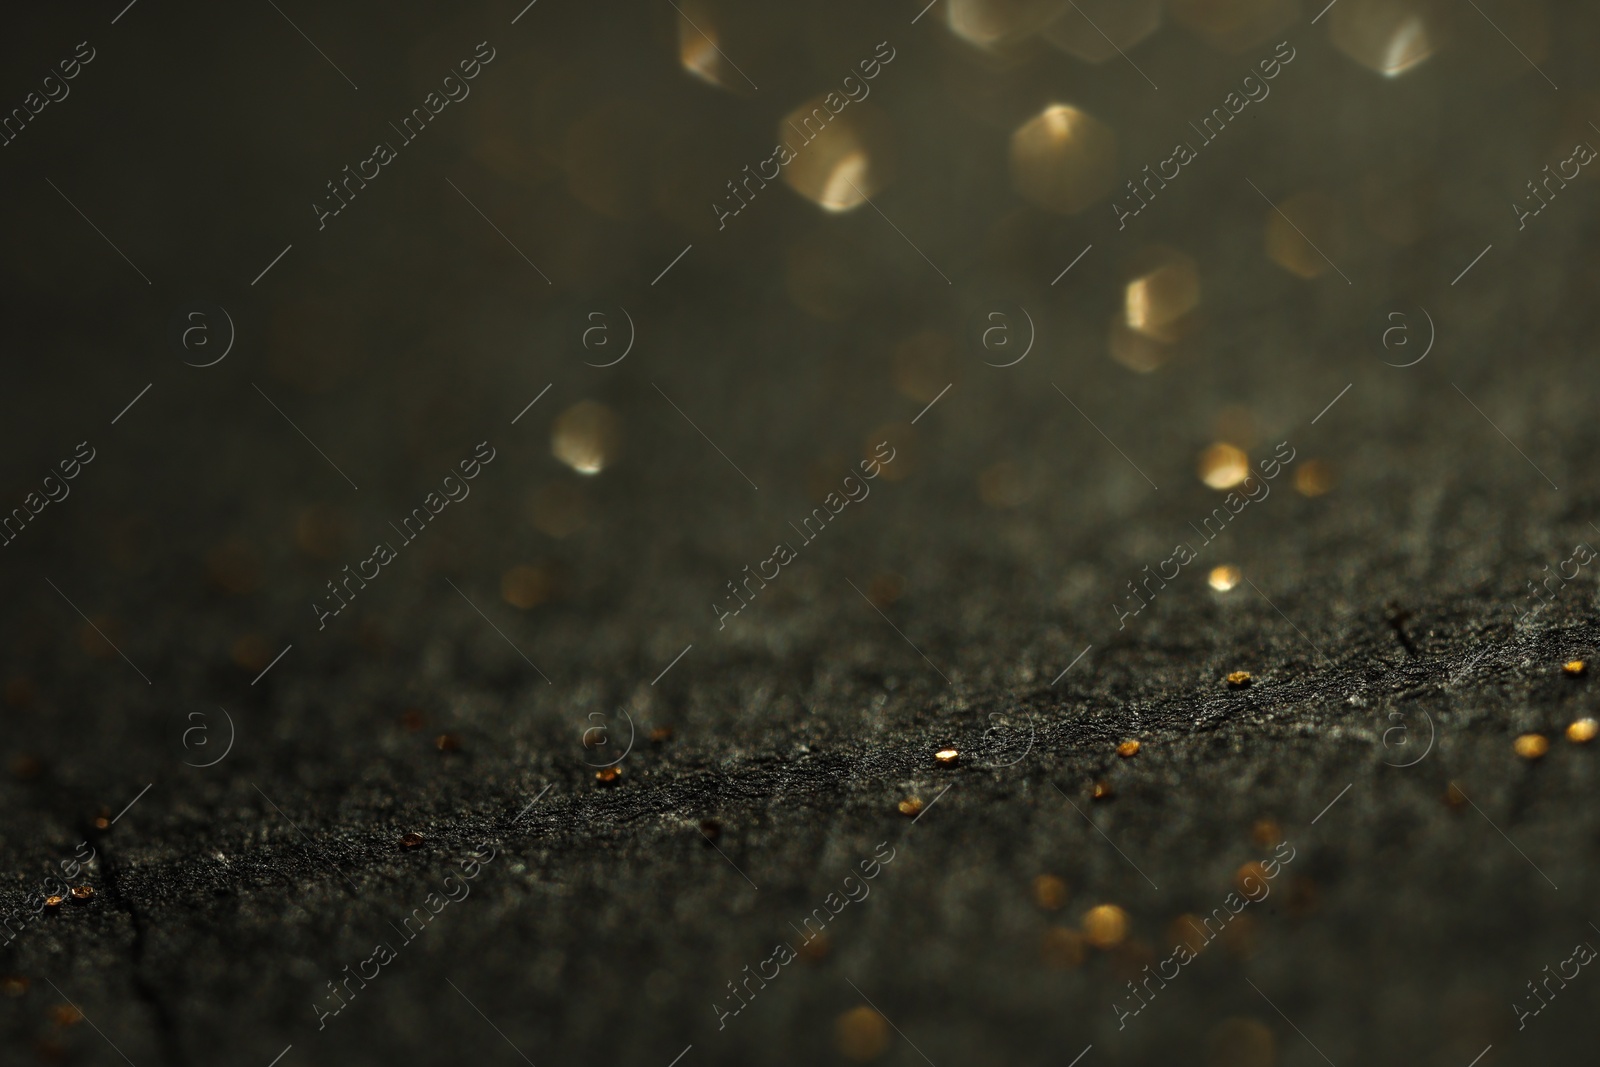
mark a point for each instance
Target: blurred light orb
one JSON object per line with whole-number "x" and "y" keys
{"x": 1301, "y": 230}
{"x": 1223, "y": 578}
{"x": 1223, "y": 466}
{"x": 989, "y": 24}
{"x": 1385, "y": 36}
{"x": 699, "y": 49}
{"x": 1134, "y": 350}
{"x": 841, "y": 157}
{"x": 1064, "y": 159}
{"x": 1094, "y": 30}
{"x": 1159, "y": 301}
{"x": 587, "y": 437}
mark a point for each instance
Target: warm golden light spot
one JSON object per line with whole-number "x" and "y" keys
{"x": 1583, "y": 731}
{"x": 947, "y": 756}
{"x": 411, "y": 840}
{"x": 1049, "y": 892}
{"x": 1249, "y": 878}
{"x": 1531, "y": 746}
{"x": 65, "y": 1014}
{"x": 1389, "y": 37}
{"x": 1302, "y": 232}
{"x": 699, "y": 48}
{"x": 525, "y": 586}
{"x": 1063, "y": 947}
{"x": 1239, "y": 679}
{"x": 1224, "y": 578}
{"x": 1097, "y": 30}
{"x": 993, "y": 24}
{"x": 910, "y": 806}
{"x": 1160, "y": 301}
{"x": 1133, "y": 349}
{"x": 1574, "y": 667}
{"x": 840, "y": 152}
{"x": 1223, "y": 466}
{"x": 586, "y": 437}
{"x": 1102, "y": 790}
{"x": 608, "y": 775}
{"x": 1266, "y": 832}
{"x": 862, "y": 1034}
{"x": 1128, "y": 748}
{"x": 1313, "y": 478}
{"x": 1063, "y": 159}
{"x": 1105, "y": 925}
{"x": 1453, "y": 796}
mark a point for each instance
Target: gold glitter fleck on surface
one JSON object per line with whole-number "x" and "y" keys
{"x": 1063, "y": 947}
{"x": 1049, "y": 892}
{"x": 1239, "y": 679}
{"x": 947, "y": 756}
{"x": 54, "y": 900}
{"x": 1064, "y": 159}
{"x": 1386, "y": 36}
{"x": 82, "y": 892}
{"x": 1583, "y": 731}
{"x": 862, "y": 1034}
{"x": 1313, "y": 478}
{"x": 411, "y": 840}
{"x": 1574, "y": 667}
{"x": 1223, "y": 466}
{"x": 1102, "y": 790}
{"x": 447, "y": 743}
{"x": 1105, "y": 925}
{"x": 910, "y": 806}
{"x": 1531, "y": 746}
{"x": 1223, "y": 578}
{"x": 586, "y": 437}
{"x": 837, "y": 158}
{"x": 608, "y": 775}
{"x": 1128, "y": 748}
{"x": 1160, "y": 301}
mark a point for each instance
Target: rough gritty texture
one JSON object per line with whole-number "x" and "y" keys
{"x": 1383, "y": 615}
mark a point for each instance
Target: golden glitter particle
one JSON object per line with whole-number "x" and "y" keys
{"x": 816, "y": 948}
{"x": 1063, "y": 947}
{"x": 608, "y": 775}
{"x": 1241, "y": 1043}
{"x": 700, "y": 49}
{"x": 65, "y": 1015}
{"x": 1531, "y": 746}
{"x": 411, "y": 840}
{"x": 911, "y": 806}
{"x": 862, "y": 1034}
{"x": 1134, "y": 350}
{"x": 1313, "y": 478}
{"x": 1186, "y": 930}
{"x": 660, "y": 735}
{"x": 1049, "y": 892}
{"x": 1583, "y": 731}
{"x": 13, "y": 985}
{"x": 102, "y": 822}
{"x": 1102, "y": 790}
{"x": 1128, "y": 748}
{"x": 1266, "y": 833}
{"x": 1224, "y": 578}
{"x": 1105, "y": 925}
{"x": 525, "y": 586}
{"x": 1574, "y": 667}
{"x": 54, "y": 900}
{"x": 1386, "y": 36}
{"x": 1250, "y": 878}
{"x": 1223, "y": 466}
{"x": 835, "y": 158}
{"x": 1161, "y": 300}
{"x": 82, "y": 892}
{"x": 1454, "y": 797}
{"x": 411, "y": 719}
{"x": 1239, "y": 679}
{"x": 447, "y": 743}
{"x": 586, "y": 437}
{"x": 1064, "y": 159}
{"x": 947, "y": 757}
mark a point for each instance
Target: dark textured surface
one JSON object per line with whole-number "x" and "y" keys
{"x": 606, "y": 926}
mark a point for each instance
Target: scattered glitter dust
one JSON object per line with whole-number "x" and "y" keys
{"x": 1531, "y": 746}
{"x": 1063, "y": 947}
{"x": 862, "y": 1034}
{"x": 1239, "y": 679}
{"x": 911, "y": 806}
{"x": 1574, "y": 667}
{"x": 1128, "y": 748}
{"x": 1223, "y": 466}
{"x": 1049, "y": 892}
{"x": 1105, "y": 925}
{"x": 947, "y": 756}
{"x": 82, "y": 892}
{"x": 1102, "y": 790}
{"x": 1224, "y": 578}
{"x": 54, "y": 900}
{"x": 1583, "y": 731}
{"x": 411, "y": 840}
{"x": 608, "y": 775}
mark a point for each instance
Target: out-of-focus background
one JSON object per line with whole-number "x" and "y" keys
{"x": 407, "y": 408}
